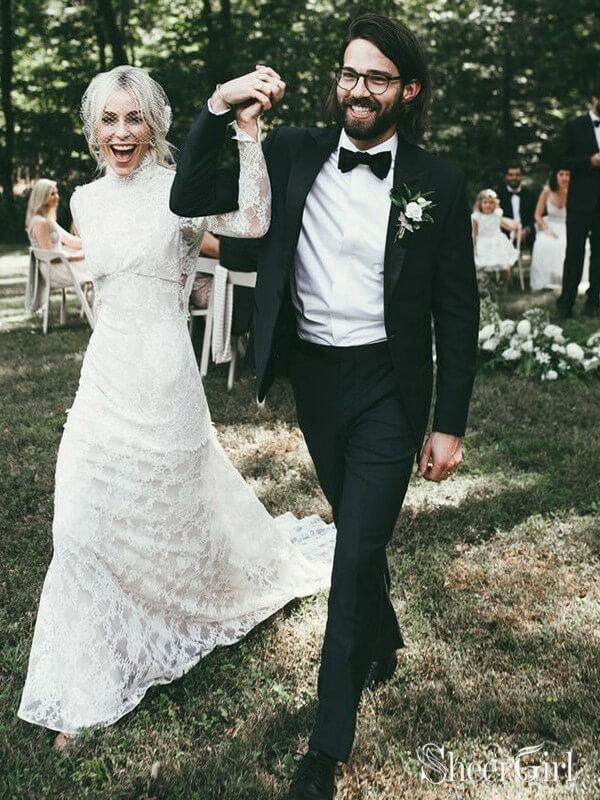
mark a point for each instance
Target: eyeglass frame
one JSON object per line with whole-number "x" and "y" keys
{"x": 365, "y": 76}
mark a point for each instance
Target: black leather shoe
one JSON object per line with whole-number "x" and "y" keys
{"x": 314, "y": 778}
{"x": 591, "y": 311}
{"x": 381, "y": 670}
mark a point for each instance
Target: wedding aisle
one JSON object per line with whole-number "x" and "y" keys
{"x": 493, "y": 582}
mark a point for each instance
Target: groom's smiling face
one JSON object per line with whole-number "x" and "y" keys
{"x": 369, "y": 118}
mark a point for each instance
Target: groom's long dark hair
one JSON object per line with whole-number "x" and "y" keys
{"x": 401, "y": 46}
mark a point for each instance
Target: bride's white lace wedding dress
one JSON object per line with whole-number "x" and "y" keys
{"x": 161, "y": 550}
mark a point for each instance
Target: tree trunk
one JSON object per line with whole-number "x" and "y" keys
{"x": 6, "y": 164}
{"x": 211, "y": 51}
{"x": 101, "y": 40}
{"x": 227, "y": 39}
{"x": 226, "y": 14}
{"x": 506, "y": 122}
{"x": 114, "y": 35}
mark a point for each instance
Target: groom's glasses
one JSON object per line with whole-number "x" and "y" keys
{"x": 375, "y": 84}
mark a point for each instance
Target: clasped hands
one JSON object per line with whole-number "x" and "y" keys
{"x": 249, "y": 96}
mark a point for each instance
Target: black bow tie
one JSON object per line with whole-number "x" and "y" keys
{"x": 596, "y": 122}
{"x": 514, "y": 191}
{"x": 378, "y": 163}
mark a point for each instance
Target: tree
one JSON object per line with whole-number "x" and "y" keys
{"x": 506, "y": 73}
{"x": 113, "y": 32}
{"x": 7, "y": 163}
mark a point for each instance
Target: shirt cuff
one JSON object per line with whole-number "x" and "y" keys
{"x": 216, "y": 113}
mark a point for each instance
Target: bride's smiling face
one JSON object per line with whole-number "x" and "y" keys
{"x": 124, "y": 134}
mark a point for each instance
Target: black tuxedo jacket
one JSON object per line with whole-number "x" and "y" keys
{"x": 527, "y": 209}
{"x": 576, "y": 146}
{"x": 429, "y": 273}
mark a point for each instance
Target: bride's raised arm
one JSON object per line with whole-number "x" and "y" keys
{"x": 233, "y": 203}
{"x": 253, "y": 215}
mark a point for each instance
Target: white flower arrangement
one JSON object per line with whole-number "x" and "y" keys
{"x": 532, "y": 346}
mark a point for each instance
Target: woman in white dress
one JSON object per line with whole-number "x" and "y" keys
{"x": 492, "y": 249}
{"x": 550, "y": 244}
{"x": 45, "y": 233}
{"x": 161, "y": 550}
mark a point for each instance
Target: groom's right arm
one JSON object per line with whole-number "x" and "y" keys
{"x": 200, "y": 188}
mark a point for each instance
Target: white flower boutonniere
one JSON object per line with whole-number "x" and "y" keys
{"x": 414, "y": 209}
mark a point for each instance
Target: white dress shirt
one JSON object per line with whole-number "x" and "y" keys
{"x": 515, "y": 201}
{"x": 595, "y": 117}
{"x": 337, "y": 287}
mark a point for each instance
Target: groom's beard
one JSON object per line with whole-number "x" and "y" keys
{"x": 383, "y": 119}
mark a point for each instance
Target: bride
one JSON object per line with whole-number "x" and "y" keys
{"x": 161, "y": 551}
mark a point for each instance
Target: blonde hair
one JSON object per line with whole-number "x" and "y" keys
{"x": 486, "y": 194}
{"x": 38, "y": 200}
{"x": 152, "y": 103}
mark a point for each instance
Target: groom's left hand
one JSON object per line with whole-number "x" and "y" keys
{"x": 440, "y": 456}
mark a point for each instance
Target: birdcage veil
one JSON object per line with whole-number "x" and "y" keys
{"x": 150, "y": 98}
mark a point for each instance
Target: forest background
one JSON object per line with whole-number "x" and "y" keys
{"x": 506, "y": 74}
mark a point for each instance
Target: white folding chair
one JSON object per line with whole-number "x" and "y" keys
{"x": 45, "y": 261}
{"x": 248, "y": 280}
{"x": 205, "y": 266}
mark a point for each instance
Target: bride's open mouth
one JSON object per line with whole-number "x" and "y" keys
{"x": 124, "y": 153}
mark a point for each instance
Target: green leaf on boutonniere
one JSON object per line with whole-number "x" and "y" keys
{"x": 396, "y": 198}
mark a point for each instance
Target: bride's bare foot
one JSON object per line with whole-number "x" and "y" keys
{"x": 61, "y": 742}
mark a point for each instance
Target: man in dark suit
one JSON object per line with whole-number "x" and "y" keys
{"x": 344, "y": 306}
{"x": 518, "y": 202}
{"x": 578, "y": 151}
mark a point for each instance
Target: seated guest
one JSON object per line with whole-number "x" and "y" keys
{"x": 209, "y": 248}
{"x": 518, "y": 202}
{"x": 551, "y": 241}
{"x": 46, "y": 234}
{"x": 42, "y": 228}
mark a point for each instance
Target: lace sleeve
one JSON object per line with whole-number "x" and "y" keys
{"x": 253, "y": 217}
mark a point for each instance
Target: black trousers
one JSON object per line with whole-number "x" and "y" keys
{"x": 580, "y": 225}
{"x": 359, "y": 438}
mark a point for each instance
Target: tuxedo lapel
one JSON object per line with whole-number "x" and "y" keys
{"x": 315, "y": 150}
{"x": 409, "y": 170}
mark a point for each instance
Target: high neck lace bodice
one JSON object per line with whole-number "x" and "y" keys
{"x": 139, "y": 174}
{"x": 127, "y": 227}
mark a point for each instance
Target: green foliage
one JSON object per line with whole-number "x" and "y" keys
{"x": 506, "y": 74}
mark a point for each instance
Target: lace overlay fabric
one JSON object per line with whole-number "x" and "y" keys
{"x": 162, "y": 552}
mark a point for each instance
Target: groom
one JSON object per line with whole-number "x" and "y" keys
{"x": 344, "y": 302}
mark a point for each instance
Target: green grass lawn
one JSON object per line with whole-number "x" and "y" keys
{"x": 495, "y": 579}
